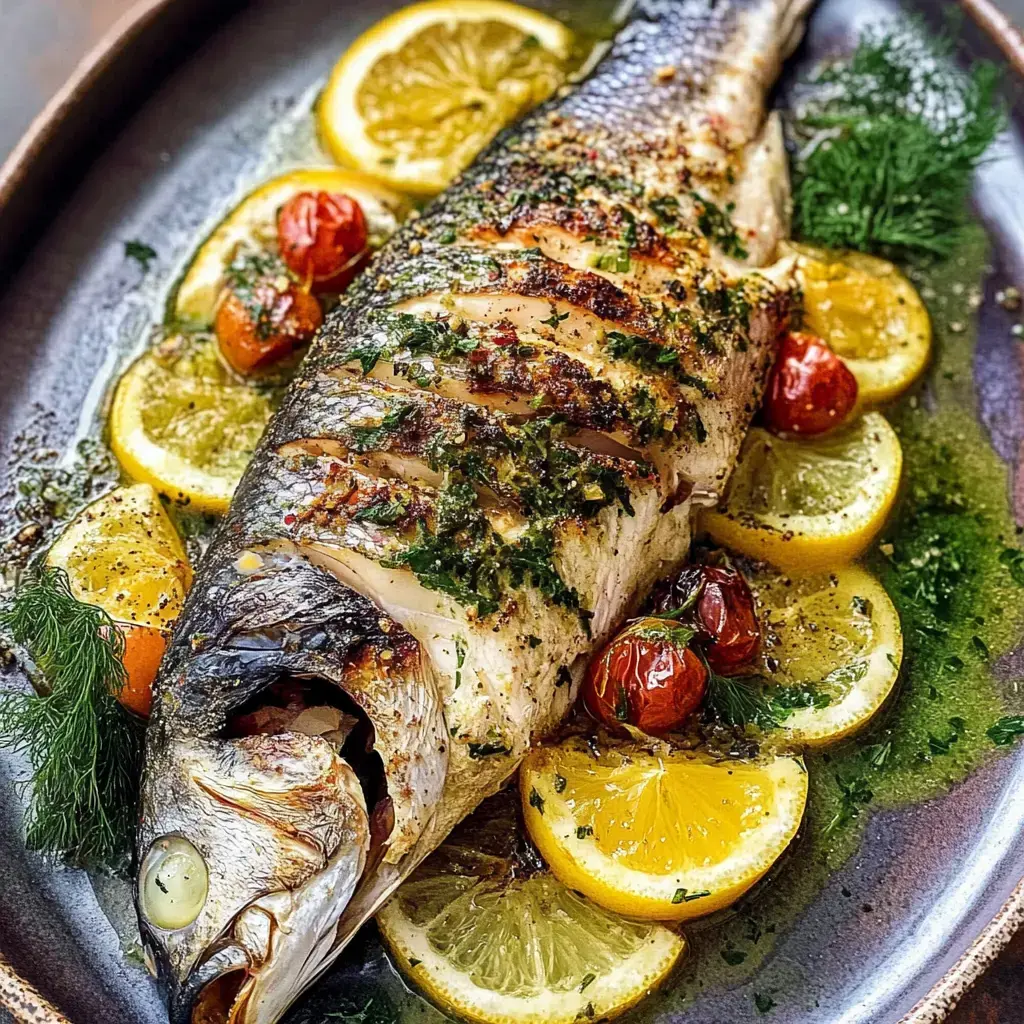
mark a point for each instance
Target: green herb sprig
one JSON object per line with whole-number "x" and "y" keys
{"x": 84, "y": 749}
{"x": 887, "y": 142}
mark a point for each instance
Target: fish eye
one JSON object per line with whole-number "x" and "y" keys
{"x": 173, "y": 883}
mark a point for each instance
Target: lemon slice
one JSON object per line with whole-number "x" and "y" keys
{"x": 123, "y": 553}
{"x": 415, "y": 98}
{"x": 181, "y": 422}
{"x": 869, "y": 314}
{"x": 492, "y": 939}
{"x": 832, "y": 648}
{"x": 809, "y": 504}
{"x": 253, "y": 223}
{"x": 666, "y": 836}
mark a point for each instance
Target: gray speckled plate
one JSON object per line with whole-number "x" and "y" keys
{"x": 177, "y": 110}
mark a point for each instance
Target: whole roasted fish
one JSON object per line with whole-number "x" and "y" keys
{"x": 490, "y": 453}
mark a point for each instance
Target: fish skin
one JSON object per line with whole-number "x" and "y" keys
{"x": 578, "y": 278}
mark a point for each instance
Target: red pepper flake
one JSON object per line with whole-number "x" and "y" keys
{"x": 289, "y": 519}
{"x": 591, "y": 154}
{"x": 494, "y": 275}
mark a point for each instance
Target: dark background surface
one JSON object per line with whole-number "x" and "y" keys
{"x": 40, "y": 43}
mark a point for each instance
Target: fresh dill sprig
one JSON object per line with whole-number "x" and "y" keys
{"x": 886, "y": 143}
{"x": 83, "y": 747}
{"x": 738, "y": 701}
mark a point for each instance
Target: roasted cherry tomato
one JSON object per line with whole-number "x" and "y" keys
{"x": 274, "y": 317}
{"x": 721, "y": 608}
{"x": 647, "y": 677}
{"x": 322, "y": 238}
{"x": 810, "y": 389}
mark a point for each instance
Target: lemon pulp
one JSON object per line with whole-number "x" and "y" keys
{"x": 809, "y": 504}
{"x": 665, "y": 835}
{"x": 183, "y": 423}
{"x": 415, "y": 98}
{"x": 832, "y": 642}
{"x": 123, "y": 553}
{"x": 494, "y": 939}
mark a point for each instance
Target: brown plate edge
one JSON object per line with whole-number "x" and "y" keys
{"x": 17, "y": 995}
{"x": 23, "y": 1002}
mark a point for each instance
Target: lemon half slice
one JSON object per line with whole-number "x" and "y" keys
{"x": 492, "y": 940}
{"x": 415, "y": 98}
{"x": 253, "y": 223}
{"x": 181, "y": 422}
{"x": 832, "y": 648}
{"x": 869, "y": 314}
{"x": 666, "y": 836}
{"x": 809, "y": 504}
{"x": 123, "y": 554}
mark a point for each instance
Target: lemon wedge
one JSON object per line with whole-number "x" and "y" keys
{"x": 415, "y": 98}
{"x": 664, "y": 836}
{"x": 869, "y": 314}
{"x": 253, "y": 224}
{"x": 809, "y": 504}
{"x": 832, "y": 648}
{"x": 181, "y": 422}
{"x": 123, "y": 554}
{"x": 491, "y": 938}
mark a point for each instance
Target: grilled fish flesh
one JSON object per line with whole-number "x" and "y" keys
{"x": 491, "y": 451}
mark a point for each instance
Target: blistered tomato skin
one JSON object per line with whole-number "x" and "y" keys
{"x": 322, "y": 238}
{"x": 721, "y": 609}
{"x": 278, "y": 319}
{"x": 646, "y": 678}
{"x": 729, "y": 620}
{"x": 810, "y": 389}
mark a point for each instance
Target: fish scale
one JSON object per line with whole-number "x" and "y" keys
{"x": 436, "y": 530}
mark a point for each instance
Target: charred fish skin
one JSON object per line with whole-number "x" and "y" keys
{"x": 489, "y": 454}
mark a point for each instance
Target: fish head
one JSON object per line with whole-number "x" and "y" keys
{"x": 257, "y": 829}
{"x": 250, "y": 849}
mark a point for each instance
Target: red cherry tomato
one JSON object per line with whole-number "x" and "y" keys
{"x": 322, "y": 238}
{"x": 810, "y": 389}
{"x": 646, "y": 677}
{"x": 272, "y": 323}
{"x": 723, "y": 611}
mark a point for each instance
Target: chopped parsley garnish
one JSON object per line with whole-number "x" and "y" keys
{"x": 479, "y": 750}
{"x": 1004, "y": 731}
{"x": 649, "y": 355}
{"x": 685, "y": 896}
{"x": 140, "y": 252}
{"x": 716, "y": 224}
{"x": 370, "y": 438}
{"x": 853, "y": 795}
{"x": 385, "y": 512}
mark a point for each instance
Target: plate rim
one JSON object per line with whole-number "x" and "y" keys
{"x": 17, "y": 994}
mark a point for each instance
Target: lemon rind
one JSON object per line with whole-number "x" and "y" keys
{"x": 137, "y": 498}
{"x": 609, "y": 994}
{"x": 337, "y": 104}
{"x": 808, "y": 728}
{"x": 579, "y": 864}
{"x": 806, "y": 544}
